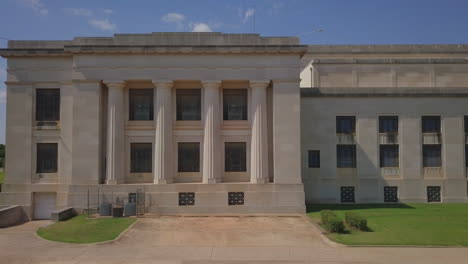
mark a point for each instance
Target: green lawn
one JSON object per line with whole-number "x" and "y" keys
{"x": 404, "y": 224}
{"x": 82, "y": 230}
{"x": 2, "y": 175}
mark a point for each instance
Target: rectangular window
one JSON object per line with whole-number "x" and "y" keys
{"x": 389, "y": 156}
{"x": 388, "y": 124}
{"x": 432, "y": 156}
{"x": 141, "y": 157}
{"x": 46, "y": 158}
{"x": 433, "y": 194}
{"x": 235, "y": 156}
{"x": 345, "y": 124}
{"x": 466, "y": 125}
{"x": 390, "y": 194}
{"x": 188, "y": 103}
{"x": 314, "y": 158}
{"x": 431, "y": 124}
{"x": 189, "y": 157}
{"x": 47, "y": 104}
{"x": 235, "y": 104}
{"x": 347, "y": 194}
{"x": 140, "y": 104}
{"x": 466, "y": 155}
{"x": 346, "y": 156}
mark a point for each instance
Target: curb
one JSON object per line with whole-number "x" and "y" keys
{"x": 94, "y": 243}
{"x": 323, "y": 233}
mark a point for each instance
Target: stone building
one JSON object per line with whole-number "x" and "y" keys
{"x": 212, "y": 123}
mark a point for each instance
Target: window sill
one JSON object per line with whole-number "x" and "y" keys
{"x": 45, "y": 177}
{"x": 139, "y": 124}
{"x": 47, "y": 125}
{"x": 235, "y": 124}
{"x": 187, "y": 124}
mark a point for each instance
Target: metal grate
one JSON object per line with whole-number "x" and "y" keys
{"x": 390, "y": 194}
{"x": 235, "y": 198}
{"x": 186, "y": 198}
{"x": 433, "y": 193}
{"x": 347, "y": 194}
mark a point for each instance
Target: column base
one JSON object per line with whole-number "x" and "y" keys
{"x": 260, "y": 181}
{"x": 111, "y": 182}
{"x": 163, "y": 181}
{"x": 211, "y": 181}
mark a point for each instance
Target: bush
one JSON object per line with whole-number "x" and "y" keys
{"x": 325, "y": 214}
{"x": 356, "y": 220}
{"x": 332, "y": 222}
{"x": 335, "y": 224}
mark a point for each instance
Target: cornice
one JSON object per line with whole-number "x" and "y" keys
{"x": 385, "y": 92}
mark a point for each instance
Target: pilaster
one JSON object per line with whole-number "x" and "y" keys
{"x": 115, "y": 132}
{"x": 211, "y": 148}
{"x": 163, "y": 141}
{"x": 259, "y": 141}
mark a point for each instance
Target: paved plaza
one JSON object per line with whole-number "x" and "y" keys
{"x": 285, "y": 239}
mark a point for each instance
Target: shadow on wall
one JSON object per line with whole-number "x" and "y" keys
{"x": 311, "y": 208}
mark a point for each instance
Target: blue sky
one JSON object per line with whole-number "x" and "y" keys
{"x": 342, "y": 21}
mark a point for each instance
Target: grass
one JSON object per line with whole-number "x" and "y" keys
{"x": 82, "y": 230}
{"x": 403, "y": 224}
{"x": 2, "y": 175}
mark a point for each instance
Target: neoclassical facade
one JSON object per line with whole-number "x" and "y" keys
{"x": 212, "y": 123}
{"x": 207, "y": 117}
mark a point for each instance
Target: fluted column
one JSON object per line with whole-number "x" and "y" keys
{"x": 115, "y": 132}
{"x": 163, "y": 140}
{"x": 211, "y": 148}
{"x": 258, "y": 149}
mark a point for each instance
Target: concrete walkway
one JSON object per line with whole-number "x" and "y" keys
{"x": 212, "y": 239}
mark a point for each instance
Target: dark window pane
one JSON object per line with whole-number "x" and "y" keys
{"x": 345, "y": 124}
{"x": 189, "y": 157}
{"x": 466, "y": 155}
{"x": 188, "y": 104}
{"x": 235, "y": 156}
{"x": 46, "y": 158}
{"x": 433, "y": 193}
{"x": 432, "y": 156}
{"x": 314, "y": 158}
{"x": 390, "y": 194}
{"x": 466, "y": 124}
{"x": 141, "y": 104}
{"x": 47, "y": 104}
{"x": 346, "y": 156}
{"x": 235, "y": 104}
{"x": 431, "y": 124}
{"x": 389, "y": 156}
{"x": 347, "y": 194}
{"x": 141, "y": 157}
{"x": 388, "y": 124}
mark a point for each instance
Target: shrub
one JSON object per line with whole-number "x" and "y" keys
{"x": 356, "y": 220}
{"x": 325, "y": 214}
{"x": 332, "y": 222}
{"x": 335, "y": 224}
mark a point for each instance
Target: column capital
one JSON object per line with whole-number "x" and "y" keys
{"x": 259, "y": 83}
{"x": 163, "y": 83}
{"x": 211, "y": 83}
{"x": 114, "y": 83}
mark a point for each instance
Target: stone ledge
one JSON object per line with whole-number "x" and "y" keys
{"x": 12, "y": 215}
{"x": 384, "y": 91}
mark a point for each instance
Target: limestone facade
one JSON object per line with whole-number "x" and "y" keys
{"x": 287, "y": 139}
{"x": 96, "y": 133}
